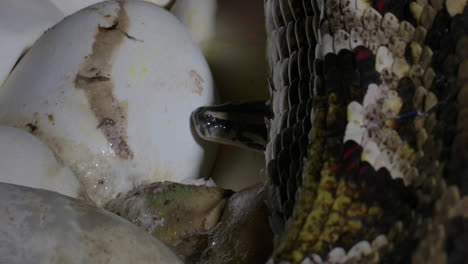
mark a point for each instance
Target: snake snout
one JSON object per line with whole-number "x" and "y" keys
{"x": 204, "y": 123}
{"x": 198, "y": 121}
{"x": 238, "y": 124}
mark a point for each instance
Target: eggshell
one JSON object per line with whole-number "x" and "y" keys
{"x": 22, "y": 23}
{"x": 199, "y": 16}
{"x": 69, "y": 7}
{"x": 27, "y": 161}
{"x": 40, "y": 226}
{"x": 110, "y": 89}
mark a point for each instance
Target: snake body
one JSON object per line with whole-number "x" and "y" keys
{"x": 367, "y": 144}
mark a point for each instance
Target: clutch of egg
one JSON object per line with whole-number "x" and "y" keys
{"x": 110, "y": 90}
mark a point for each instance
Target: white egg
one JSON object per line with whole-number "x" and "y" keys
{"x": 26, "y": 161}
{"x": 199, "y": 16}
{"x": 22, "y": 23}
{"x": 39, "y": 226}
{"x": 110, "y": 89}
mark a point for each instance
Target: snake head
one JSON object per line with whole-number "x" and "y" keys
{"x": 238, "y": 124}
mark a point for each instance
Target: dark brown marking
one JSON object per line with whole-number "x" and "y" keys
{"x": 94, "y": 77}
{"x": 32, "y": 128}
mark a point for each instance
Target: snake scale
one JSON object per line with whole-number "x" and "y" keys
{"x": 367, "y": 149}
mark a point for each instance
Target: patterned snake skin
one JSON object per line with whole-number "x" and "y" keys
{"x": 368, "y": 152}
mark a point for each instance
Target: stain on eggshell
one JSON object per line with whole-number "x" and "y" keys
{"x": 198, "y": 82}
{"x": 31, "y": 127}
{"x": 94, "y": 77}
{"x": 101, "y": 187}
{"x": 88, "y": 166}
